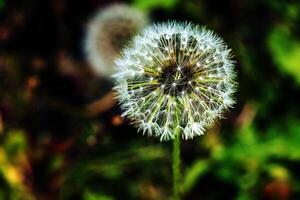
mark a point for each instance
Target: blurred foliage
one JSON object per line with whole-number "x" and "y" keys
{"x": 52, "y": 148}
{"x": 285, "y": 51}
{"x": 148, "y": 5}
{"x": 2, "y": 4}
{"x": 12, "y": 162}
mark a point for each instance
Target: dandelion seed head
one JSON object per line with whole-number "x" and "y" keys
{"x": 108, "y": 33}
{"x": 191, "y": 75}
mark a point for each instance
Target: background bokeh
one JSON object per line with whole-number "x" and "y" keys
{"x": 62, "y": 137}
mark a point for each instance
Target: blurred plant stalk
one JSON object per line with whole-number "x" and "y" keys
{"x": 101, "y": 105}
{"x": 1, "y": 124}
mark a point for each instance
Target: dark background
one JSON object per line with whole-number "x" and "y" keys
{"x": 52, "y": 148}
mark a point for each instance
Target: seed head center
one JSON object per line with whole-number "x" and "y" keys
{"x": 176, "y": 80}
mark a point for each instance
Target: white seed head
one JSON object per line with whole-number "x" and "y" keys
{"x": 190, "y": 86}
{"x": 108, "y": 32}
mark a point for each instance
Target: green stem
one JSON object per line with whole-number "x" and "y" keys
{"x": 176, "y": 166}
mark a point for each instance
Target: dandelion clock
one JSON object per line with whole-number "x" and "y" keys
{"x": 174, "y": 81}
{"x": 108, "y": 32}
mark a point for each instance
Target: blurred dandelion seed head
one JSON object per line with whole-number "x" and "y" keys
{"x": 175, "y": 76}
{"x": 108, "y": 32}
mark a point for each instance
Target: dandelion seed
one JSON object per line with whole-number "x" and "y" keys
{"x": 192, "y": 86}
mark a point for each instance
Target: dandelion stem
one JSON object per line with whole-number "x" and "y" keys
{"x": 176, "y": 166}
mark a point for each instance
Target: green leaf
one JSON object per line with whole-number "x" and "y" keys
{"x": 194, "y": 173}
{"x": 89, "y": 195}
{"x": 148, "y": 5}
{"x": 285, "y": 51}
